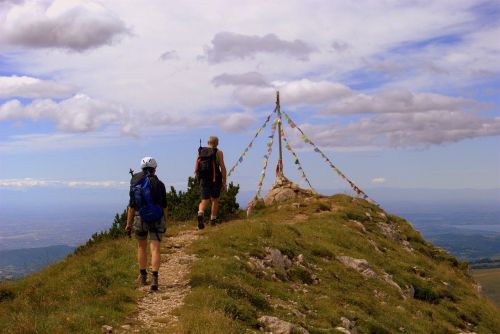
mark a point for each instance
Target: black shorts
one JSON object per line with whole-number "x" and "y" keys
{"x": 210, "y": 189}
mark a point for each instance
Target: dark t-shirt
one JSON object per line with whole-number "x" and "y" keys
{"x": 158, "y": 190}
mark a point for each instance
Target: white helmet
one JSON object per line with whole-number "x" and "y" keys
{"x": 148, "y": 162}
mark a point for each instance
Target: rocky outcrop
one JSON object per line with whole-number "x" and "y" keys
{"x": 278, "y": 326}
{"x": 360, "y": 265}
{"x": 279, "y": 267}
{"x": 283, "y": 190}
{"x": 363, "y": 267}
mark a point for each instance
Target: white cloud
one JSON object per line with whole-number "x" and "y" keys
{"x": 236, "y": 122}
{"x": 242, "y": 79}
{"x": 378, "y": 180}
{"x": 29, "y": 182}
{"x": 73, "y": 25}
{"x": 400, "y": 130}
{"x": 395, "y": 101}
{"x": 187, "y": 93}
{"x": 40, "y": 142}
{"x": 297, "y": 92}
{"x": 79, "y": 113}
{"x": 228, "y": 46}
{"x": 32, "y": 88}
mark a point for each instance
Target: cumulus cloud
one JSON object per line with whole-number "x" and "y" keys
{"x": 243, "y": 79}
{"x": 32, "y": 88}
{"x": 228, "y": 46}
{"x": 394, "y": 101}
{"x": 378, "y": 180}
{"x": 76, "y": 26}
{"x": 296, "y": 92}
{"x": 79, "y": 113}
{"x": 30, "y": 182}
{"x": 236, "y": 122}
{"x": 401, "y": 130}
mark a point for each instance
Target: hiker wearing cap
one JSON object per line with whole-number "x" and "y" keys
{"x": 148, "y": 211}
{"x": 211, "y": 173}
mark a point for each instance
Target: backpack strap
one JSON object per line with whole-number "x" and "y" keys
{"x": 214, "y": 164}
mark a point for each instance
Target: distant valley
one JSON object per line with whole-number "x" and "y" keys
{"x": 16, "y": 263}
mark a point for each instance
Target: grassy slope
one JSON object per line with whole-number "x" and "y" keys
{"x": 77, "y": 295}
{"x": 228, "y": 297}
{"x": 490, "y": 281}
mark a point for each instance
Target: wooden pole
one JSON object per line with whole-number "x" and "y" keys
{"x": 279, "y": 169}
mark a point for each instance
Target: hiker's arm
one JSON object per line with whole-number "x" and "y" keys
{"x": 222, "y": 168}
{"x": 130, "y": 217}
{"x": 164, "y": 201}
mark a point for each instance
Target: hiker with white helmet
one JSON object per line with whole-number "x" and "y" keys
{"x": 210, "y": 170}
{"x": 148, "y": 209}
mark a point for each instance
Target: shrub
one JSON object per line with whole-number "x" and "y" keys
{"x": 183, "y": 205}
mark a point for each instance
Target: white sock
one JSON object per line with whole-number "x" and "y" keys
{"x": 213, "y": 217}
{"x": 200, "y": 213}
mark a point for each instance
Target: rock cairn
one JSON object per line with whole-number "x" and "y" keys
{"x": 283, "y": 190}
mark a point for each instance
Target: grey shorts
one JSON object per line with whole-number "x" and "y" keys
{"x": 155, "y": 230}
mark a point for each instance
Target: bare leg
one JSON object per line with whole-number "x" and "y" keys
{"x": 203, "y": 205}
{"x": 155, "y": 254}
{"x": 142, "y": 253}
{"x": 215, "y": 207}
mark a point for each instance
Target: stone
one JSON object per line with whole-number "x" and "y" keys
{"x": 409, "y": 291}
{"x": 276, "y": 260}
{"x": 358, "y": 225}
{"x": 126, "y": 327}
{"x": 283, "y": 190}
{"x": 106, "y": 329}
{"x": 347, "y": 324}
{"x": 278, "y": 326}
{"x": 360, "y": 265}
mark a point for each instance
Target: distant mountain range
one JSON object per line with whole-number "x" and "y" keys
{"x": 16, "y": 263}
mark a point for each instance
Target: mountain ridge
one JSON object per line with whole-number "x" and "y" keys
{"x": 324, "y": 264}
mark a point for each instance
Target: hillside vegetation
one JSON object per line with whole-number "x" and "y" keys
{"x": 323, "y": 265}
{"x": 296, "y": 262}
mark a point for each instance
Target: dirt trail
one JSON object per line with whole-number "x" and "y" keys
{"x": 155, "y": 308}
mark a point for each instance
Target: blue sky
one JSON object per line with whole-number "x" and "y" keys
{"x": 403, "y": 96}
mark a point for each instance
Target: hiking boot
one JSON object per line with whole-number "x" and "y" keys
{"x": 154, "y": 283}
{"x": 201, "y": 224}
{"x": 143, "y": 279}
{"x": 214, "y": 222}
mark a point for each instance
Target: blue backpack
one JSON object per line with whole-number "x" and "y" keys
{"x": 148, "y": 210}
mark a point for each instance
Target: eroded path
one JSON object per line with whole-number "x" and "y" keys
{"x": 155, "y": 308}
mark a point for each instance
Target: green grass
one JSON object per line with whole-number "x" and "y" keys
{"x": 96, "y": 286}
{"x": 77, "y": 295}
{"x": 490, "y": 282}
{"x": 228, "y": 297}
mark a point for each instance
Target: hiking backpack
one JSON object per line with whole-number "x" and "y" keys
{"x": 207, "y": 164}
{"x": 141, "y": 187}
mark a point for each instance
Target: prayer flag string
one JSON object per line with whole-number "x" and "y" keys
{"x": 265, "y": 162}
{"x": 296, "y": 159}
{"x": 259, "y": 130}
{"x": 306, "y": 140}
